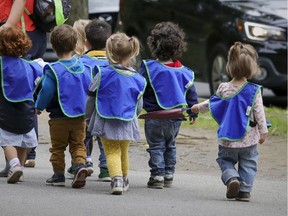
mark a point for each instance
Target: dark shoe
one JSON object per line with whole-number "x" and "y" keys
{"x": 56, "y": 180}
{"x": 30, "y": 163}
{"x": 4, "y": 173}
{"x": 233, "y": 186}
{"x": 104, "y": 175}
{"x": 156, "y": 182}
{"x": 125, "y": 183}
{"x": 89, "y": 167}
{"x": 71, "y": 172}
{"x": 243, "y": 196}
{"x": 14, "y": 174}
{"x": 117, "y": 185}
{"x": 168, "y": 180}
{"x": 80, "y": 177}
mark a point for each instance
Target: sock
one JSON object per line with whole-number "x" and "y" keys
{"x": 88, "y": 159}
{"x": 14, "y": 162}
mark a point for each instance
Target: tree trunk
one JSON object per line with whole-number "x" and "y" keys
{"x": 79, "y": 10}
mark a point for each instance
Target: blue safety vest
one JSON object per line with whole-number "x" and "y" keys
{"x": 118, "y": 94}
{"x": 94, "y": 61}
{"x": 72, "y": 88}
{"x": 233, "y": 113}
{"x": 169, "y": 84}
{"x": 19, "y": 78}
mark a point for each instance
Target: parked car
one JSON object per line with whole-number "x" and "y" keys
{"x": 100, "y": 9}
{"x": 211, "y": 27}
{"x": 104, "y": 10}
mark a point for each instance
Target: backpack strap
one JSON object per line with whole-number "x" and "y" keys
{"x": 60, "y": 19}
{"x": 23, "y": 21}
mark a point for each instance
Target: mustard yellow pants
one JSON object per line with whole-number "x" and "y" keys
{"x": 116, "y": 152}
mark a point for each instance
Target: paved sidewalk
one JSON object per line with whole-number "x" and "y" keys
{"x": 192, "y": 194}
{"x": 197, "y": 189}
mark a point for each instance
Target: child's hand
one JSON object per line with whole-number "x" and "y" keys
{"x": 38, "y": 112}
{"x": 195, "y": 108}
{"x": 192, "y": 120}
{"x": 262, "y": 138}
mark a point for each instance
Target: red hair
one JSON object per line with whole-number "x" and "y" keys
{"x": 13, "y": 42}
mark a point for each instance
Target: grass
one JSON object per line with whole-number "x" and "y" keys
{"x": 278, "y": 119}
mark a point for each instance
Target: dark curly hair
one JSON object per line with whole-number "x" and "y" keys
{"x": 166, "y": 41}
{"x": 14, "y": 42}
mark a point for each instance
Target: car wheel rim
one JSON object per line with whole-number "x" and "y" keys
{"x": 218, "y": 72}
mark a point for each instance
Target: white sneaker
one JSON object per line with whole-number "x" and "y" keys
{"x": 14, "y": 174}
{"x": 125, "y": 183}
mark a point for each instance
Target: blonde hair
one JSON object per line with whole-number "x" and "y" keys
{"x": 121, "y": 48}
{"x": 242, "y": 61}
{"x": 79, "y": 27}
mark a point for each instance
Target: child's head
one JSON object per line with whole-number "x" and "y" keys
{"x": 121, "y": 49}
{"x": 63, "y": 39}
{"x": 242, "y": 61}
{"x": 97, "y": 33}
{"x": 166, "y": 41}
{"x": 13, "y": 42}
{"x": 79, "y": 27}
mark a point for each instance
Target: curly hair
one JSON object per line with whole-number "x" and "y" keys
{"x": 166, "y": 41}
{"x": 14, "y": 42}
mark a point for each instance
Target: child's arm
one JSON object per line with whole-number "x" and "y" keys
{"x": 201, "y": 107}
{"x": 46, "y": 93}
{"x": 90, "y": 103}
{"x": 90, "y": 106}
{"x": 260, "y": 118}
{"x": 192, "y": 98}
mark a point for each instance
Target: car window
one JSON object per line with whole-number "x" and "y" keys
{"x": 105, "y": 6}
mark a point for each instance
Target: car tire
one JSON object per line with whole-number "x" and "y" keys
{"x": 217, "y": 67}
{"x": 279, "y": 92}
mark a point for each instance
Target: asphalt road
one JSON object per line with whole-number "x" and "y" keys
{"x": 193, "y": 193}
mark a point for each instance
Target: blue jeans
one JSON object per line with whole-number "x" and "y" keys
{"x": 247, "y": 165}
{"x": 89, "y": 147}
{"x": 102, "y": 157}
{"x": 161, "y": 138}
{"x": 32, "y": 154}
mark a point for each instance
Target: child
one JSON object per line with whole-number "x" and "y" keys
{"x": 170, "y": 85}
{"x": 115, "y": 100}
{"x": 63, "y": 94}
{"x": 238, "y": 109}
{"x": 19, "y": 79}
{"x": 97, "y": 32}
{"x": 79, "y": 27}
{"x": 80, "y": 49}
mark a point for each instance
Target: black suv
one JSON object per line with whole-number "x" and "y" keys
{"x": 211, "y": 27}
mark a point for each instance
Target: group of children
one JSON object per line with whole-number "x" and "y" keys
{"x": 97, "y": 93}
